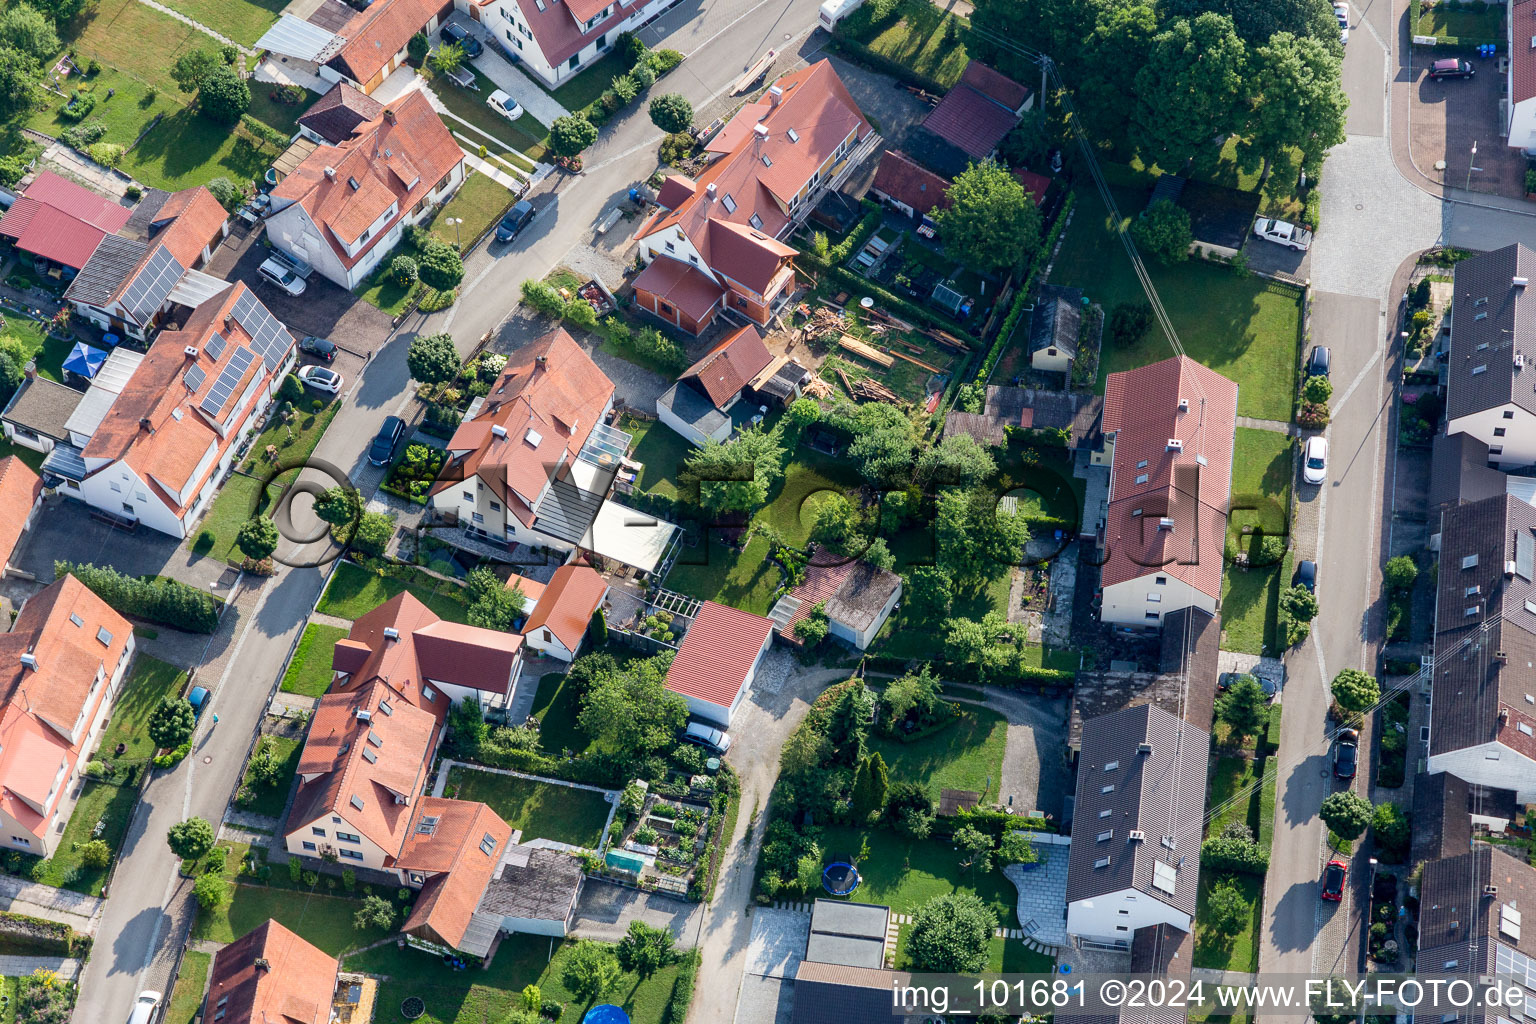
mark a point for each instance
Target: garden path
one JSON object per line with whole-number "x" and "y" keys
{"x": 1258, "y": 424}
{"x": 22, "y": 966}
{"x": 225, "y": 40}
{"x": 1029, "y": 780}
{"x": 72, "y": 908}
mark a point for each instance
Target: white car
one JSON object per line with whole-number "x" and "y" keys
{"x": 282, "y": 276}
{"x": 1343, "y": 35}
{"x": 505, "y": 105}
{"x": 708, "y": 736}
{"x": 144, "y": 1007}
{"x": 1283, "y": 232}
{"x": 321, "y": 378}
{"x": 1314, "y": 460}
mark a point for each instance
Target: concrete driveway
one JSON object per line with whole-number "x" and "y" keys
{"x": 605, "y": 911}
{"x": 65, "y": 530}
{"x": 1449, "y": 115}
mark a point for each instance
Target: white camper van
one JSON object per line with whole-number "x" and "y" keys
{"x": 834, "y": 11}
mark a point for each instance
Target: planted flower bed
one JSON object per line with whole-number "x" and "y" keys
{"x": 412, "y": 476}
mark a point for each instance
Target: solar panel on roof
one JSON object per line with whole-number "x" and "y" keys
{"x": 215, "y": 346}
{"x": 148, "y": 291}
{"x": 229, "y": 378}
{"x": 194, "y": 378}
{"x": 269, "y": 337}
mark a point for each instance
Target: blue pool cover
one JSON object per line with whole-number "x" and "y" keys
{"x": 606, "y": 1013}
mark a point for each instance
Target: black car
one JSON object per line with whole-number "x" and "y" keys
{"x": 1346, "y": 754}
{"x": 383, "y": 448}
{"x": 320, "y": 348}
{"x": 1317, "y": 362}
{"x": 1451, "y": 67}
{"x": 454, "y": 33}
{"x": 516, "y": 219}
{"x": 1306, "y": 575}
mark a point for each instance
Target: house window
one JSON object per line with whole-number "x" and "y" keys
{"x": 22, "y": 840}
{"x": 1152, "y": 616}
{"x": 575, "y": 62}
{"x": 335, "y": 820}
{"x": 755, "y": 221}
{"x": 468, "y": 496}
{"x": 664, "y": 307}
{"x": 350, "y": 855}
{"x": 309, "y": 846}
{"x": 1509, "y": 414}
{"x": 1498, "y": 431}
{"x": 495, "y": 506}
{"x": 1162, "y": 581}
{"x": 671, "y": 247}
{"x": 348, "y": 837}
{"x": 477, "y": 517}
{"x": 547, "y": 637}
{"x": 318, "y": 832}
{"x": 418, "y": 879}
{"x": 1141, "y": 479}
{"x": 729, "y": 202}
{"x": 116, "y": 486}
{"x": 429, "y": 693}
{"x": 693, "y": 259}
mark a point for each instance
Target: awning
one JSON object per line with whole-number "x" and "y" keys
{"x": 295, "y": 37}
{"x": 195, "y": 288}
{"x": 626, "y": 535}
{"x": 84, "y": 359}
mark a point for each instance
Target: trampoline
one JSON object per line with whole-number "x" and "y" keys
{"x": 605, "y": 1013}
{"x": 840, "y": 878}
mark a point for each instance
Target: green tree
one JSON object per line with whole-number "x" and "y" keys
{"x": 1346, "y": 813}
{"x": 571, "y": 134}
{"x": 837, "y": 524}
{"x": 930, "y": 591}
{"x": 1401, "y": 572}
{"x": 341, "y": 506}
{"x": 11, "y": 377}
{"x": 630, "y": 710}
{"x": 96, "y": 854}
{"x": 417, "y": 47}
{"x": 1190, "y": 89}
{"x": 1319, "y": 389}
{"x": 884, "y": 442}
{"x": 915, "y": 691}
{"x": 171, "y": 723}
{"x": 736, "y": 476}
{"x": 440, "y": 266}
{"x": 1016, "y": 848}
{"x": 190, "y": 68}
{"x": 1355, "y": 690}
{"x": 1299, "y": 603}
{"x": 257, "y": 538}
{"x": 975, "y": 848}
{"x": 229, "y": 196}
{"x": 1244, "y": 707}
{"x": 533, "y": 997}
{"x": 977, "y": 539}
{"x": 951, "y": 934}
{"x": 376, "y": 912}
{"x": 813, "y": 629}
{"x": 1391, "y": 826}
{"x": 591, "y": 970}
{"x": 956, "y": 461}
{"x": 645, "y": 949}
{"x": 597, "y": 628}
{"x": 210, "y": 891}
{"x": 190, "y": 839}
{"x": 433, "y": 359}
{"x": 62, "y": 11}
{"x": 1163, "y": 231}
{"x": 1114, "y": 51}
{"x": 223, "y": 95}
{"x": 29, "y": 30}
{"x": 1226, "y": 908}
{"x": 1258, "y": 21}
{"x": 672, "y": 113}
{"x": 19, "y": 77}
{"x": 447, "y": 58}
{"x": 1298, "y": 100}
{"x": 991, "y": 224}
{"x": 373, "y": 532}
{"x": 870, "y": 783}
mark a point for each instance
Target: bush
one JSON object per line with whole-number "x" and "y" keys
{"x": 1163, "y": 231}
{"x": 84, "y": 134}
{"x": 1234, "y": 853}
{"x": 223, "y": 95}
{"x": 79, "y": 108}
{"x": 210, "y": 892}
{"x": 417, "y": 47}
{"x": 96, "y": 854}
{"x": 672, "y": 113}
{"x": 264, "y": 131}
{"x": 433, "y": 359}
{"x": 440, "y": 266}
{"x": 1401, "y": 572}
{"x": 571, "y": 134}
{"x": 1317, "y": 389}
{"x": 543, "y": 298}
{"x": 171, "y": 723}
{"x": 1129, "y": 321}
{"x": 158, "y": 599}
{"x": 665, "y": 60}
{"x": 229, "y": 196}
{"x": 108, "y": 154}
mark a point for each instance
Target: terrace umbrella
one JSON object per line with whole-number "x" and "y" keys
{"x": 84, "y": 360}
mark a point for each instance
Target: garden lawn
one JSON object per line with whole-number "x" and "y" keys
{"x": 967, "y": 754}
{"x": 381, "y": 289}
{"x": 904, "y": 874}
{"x": 1247, "y": 329}
{"x": 1477, "y": 22}
{"x": 582, "y": 91}
{"x": 543, "y": 810}
{"x": 1250, "y": 608}
{"x": 354, "y": 592}
{"x": 309, "y": 673}
{"x": 1262, "y": 468}
{"x": 8, "y": 993}
{"x": 557, "y": 709}
{"x": 295, "y": 441}
{"x": 326, "y": 921}
{"x": 240, "y": 498}
{"x": 717, "y": 572}
{"x": 265, "y": 107}
{"x": 187, "y": 996}
{"x": 270, "y": 800}
{"x": 32, "y": 458}
{"x": 1239, "y": 951}
{"x": 477, "y": 996}
{"x": 521, "y": 142}
{"x": 49, "y": 353}
{"x": 99, "y": 801}
{"x": 922, "y": 37}
{"x": 244, "y": 21}
{"x": 663, "y": 452}
{"x": 479, "y": 203}
{"x": 150, "y": 682}
{"x": 1229, "y": 777}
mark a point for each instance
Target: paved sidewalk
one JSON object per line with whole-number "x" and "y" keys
{"x": 71, "y": 908}
{"x": 501, "y": 177}
{"x": 22, "y": 966}
{"x": 199, "y": 26}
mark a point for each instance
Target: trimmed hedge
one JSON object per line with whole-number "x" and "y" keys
{"x": 970, "y": 673}
{"x": 676, "y": 1010}
{"x": 1272, "y": 734}
{"x": 1243, "y": 856}
{"x": 1016, "y": 311}
{"x": 166, "y": 601}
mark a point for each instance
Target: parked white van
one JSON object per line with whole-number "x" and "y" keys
{"x": 144, "y": 1007}
{"x": 834, "y": 11}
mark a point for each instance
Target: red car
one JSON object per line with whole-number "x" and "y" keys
{"x": 1333, "y": 880}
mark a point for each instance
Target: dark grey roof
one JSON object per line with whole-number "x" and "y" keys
{"x": 836, "y": 994}
{"x": 862, "y": 596}
{"x": 145, "y": 212}
{"x": 543, "y": 889}
{"x": 1162, "y": 949}
{"x": 1493, "y": 332}
{"x": 566, "y": 511}
{"x": 43, "y": 406}
{"x": 108, "y": 267}
{"x": 1459, "y": 472}
{"x": 337, "y": 114}
{"x": 1442, "y": 823}
{"x": 1160, "y": 793}
{"x": 850, "y": 934}
{"x": 784, "y": 381}
{"x": 66, "y": 461}
{"x": 1057, "y": 319}
{"x": 1190, "y": 630}
{"x": 1497, "y": 535}
{"x": 1079, "y": 413}
{"x": 693, "y": 409}
{"x": 1453, "y": 908}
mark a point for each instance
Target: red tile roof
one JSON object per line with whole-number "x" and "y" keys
{"x": 994, "y": 85}
{"x": 1034, "y": 184}
{"x": 567, "y": 604}
{"x": 968, "y": 120}
{"x": 822, "y": 583}
{"x": 81, "y": 203}
{"x": 727, "y": 368}
{"x": 818, "y": 108}
{"x": 295, "y": 987}
{"x": 674, "y": 189}
{"x": 556, "y": 30}
{"x": 460, "y": 853}
{"x": 425, "y": 648}
{"x": 532, "y": 589}
{"x": 375, "y": 35}
{"x": 50, "y": 233}
{"x": 20, "y": 488}
{"x": 397, "y": 158}
{"x": 899, "y": 177}
{"x": 717, "y": 653}
{"x": 681, "y": 284}
{"x": 545, "y": 403}
{"x": 1141, "y": 407}
{"x": 189, "y": 221}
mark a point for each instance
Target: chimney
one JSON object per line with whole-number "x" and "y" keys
{"x": 543, "y": 361}
{"x": 775, "y": 96}
{"x": 709, "y": 191}
{"x": 1519, "y": 282}
{"x": 263, "y": 964}
{"x": 30, "y": 370}
{"x": 391, "y": 633}
{"x": 29, "y": 660}
{"x": 761, "y": 131}
{"x": 389, "y": 115}
{"x": 145, "y": 425}
{"x": 229, "y": 321}
{"x": 190, "y": 351}
{"x": 330, "y": 172}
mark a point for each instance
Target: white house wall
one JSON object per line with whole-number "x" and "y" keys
{"x": 505, "y": 21}
{"x": 1115, "y": 916}
{"x": 1129, "y": 603}
{"x": 1518, "y": 442}
{"x": 373, "y": 855}
{"x": 1493, "y": 765}
{"x": 292, "y": 230}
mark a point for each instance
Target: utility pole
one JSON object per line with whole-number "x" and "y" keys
{"x": 1045, "y": 67}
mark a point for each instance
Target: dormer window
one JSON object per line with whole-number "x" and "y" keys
{"x": 794, "y": 136}
{"x": 755, "y": 221}
{"x": 729, "y": 203}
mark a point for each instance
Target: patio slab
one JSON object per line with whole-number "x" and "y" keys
{"x": 1042, "y": 905}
